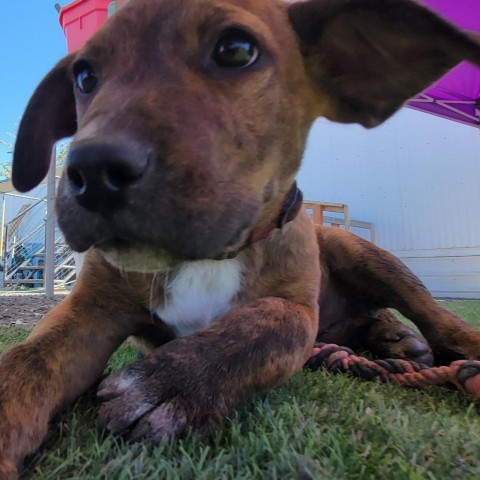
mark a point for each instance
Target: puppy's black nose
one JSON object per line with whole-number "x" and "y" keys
{"x": 101, "y": 174}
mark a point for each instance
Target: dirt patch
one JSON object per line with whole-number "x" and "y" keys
{"x": 18, "y": 308}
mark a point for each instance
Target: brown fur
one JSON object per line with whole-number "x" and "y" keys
{"x": 177, "y": 159}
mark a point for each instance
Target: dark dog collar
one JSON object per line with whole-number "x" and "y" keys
{"x": 290, "y": 208}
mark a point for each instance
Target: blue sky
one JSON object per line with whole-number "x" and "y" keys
{"x": 31, "y": 42}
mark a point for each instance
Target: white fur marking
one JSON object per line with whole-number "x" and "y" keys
{"x": 199, "y": 293}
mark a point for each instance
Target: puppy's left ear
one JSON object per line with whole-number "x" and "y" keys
{"x": 365, "y": 58}
{"x": 50, "y": 115}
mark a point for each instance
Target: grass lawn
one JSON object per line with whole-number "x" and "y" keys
{"x": 317, "y": 426}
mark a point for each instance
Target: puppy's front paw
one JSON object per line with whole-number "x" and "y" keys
{"x": 26, "y": 401}
{"x": 8, "y": 470}
{"x": 160, "y": 396}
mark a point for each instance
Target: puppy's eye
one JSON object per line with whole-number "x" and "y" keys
{"x": 236, "y": 49}
{"x": 85, "y": 77}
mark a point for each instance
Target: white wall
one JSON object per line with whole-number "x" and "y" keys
{"x": 15, "y": 202}
{"x": 417, "y": 177}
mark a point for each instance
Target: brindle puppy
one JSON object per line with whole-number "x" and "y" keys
{"x": 189, "y": 119}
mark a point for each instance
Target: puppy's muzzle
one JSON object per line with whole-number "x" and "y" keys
{"x": 122, "y": 196}
{"x": 101, "y": 175}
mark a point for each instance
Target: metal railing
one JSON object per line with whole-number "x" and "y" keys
{"x": 22, "y": 248}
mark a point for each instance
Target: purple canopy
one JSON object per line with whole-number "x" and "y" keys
{"x": 457, "y": 95}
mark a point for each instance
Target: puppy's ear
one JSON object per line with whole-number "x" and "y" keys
{"x": 50, "y": 115}
{"x": 370, "y": 56}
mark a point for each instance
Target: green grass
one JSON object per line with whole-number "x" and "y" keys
{"x": 317, "y": 426}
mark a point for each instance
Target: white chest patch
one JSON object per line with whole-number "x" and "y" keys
{"x": 199, "y": 293}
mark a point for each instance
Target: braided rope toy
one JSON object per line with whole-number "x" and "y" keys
{"x": 463, "y": 374}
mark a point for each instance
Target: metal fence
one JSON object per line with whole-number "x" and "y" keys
{"x": 23, "y": 245}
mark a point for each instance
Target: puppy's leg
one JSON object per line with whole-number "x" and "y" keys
{"x": 379, "y": 332}
{"x": 388, "y": 337}
{"x": 193, "y": 382}
{"x": 65, "y": 354}
{"x": 373, "y": 279}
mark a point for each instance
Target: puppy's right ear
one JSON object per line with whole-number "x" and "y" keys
{"x": 50, "y": 115}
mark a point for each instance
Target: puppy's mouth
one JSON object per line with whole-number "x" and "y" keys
{"x": 137, "y": 256}
{"x": 155, "y": 244}
{"x": 151, "y": 245}
{"x": 142, "y": 257}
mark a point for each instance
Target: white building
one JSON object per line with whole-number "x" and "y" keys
{"x": 417, "y": 177}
